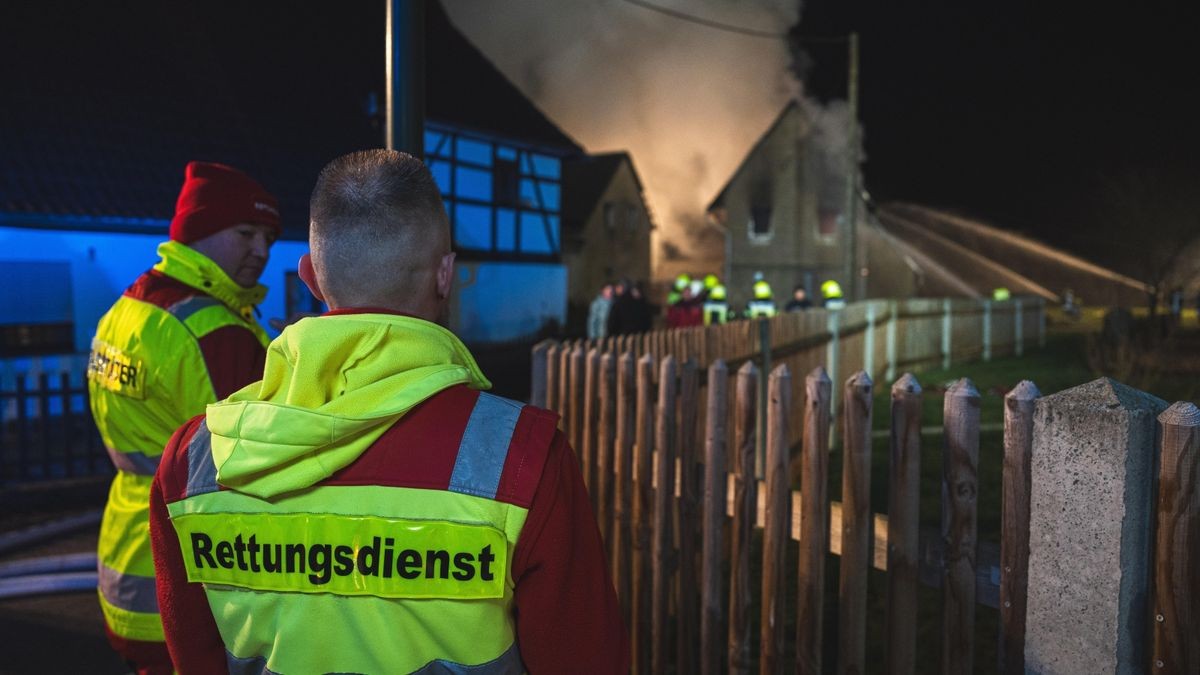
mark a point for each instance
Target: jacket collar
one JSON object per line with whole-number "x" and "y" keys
{"x": 186, "y": 264}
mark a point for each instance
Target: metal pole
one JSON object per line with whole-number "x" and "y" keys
{"x": 405, "y": 52}
{"x": 851, "y": 241}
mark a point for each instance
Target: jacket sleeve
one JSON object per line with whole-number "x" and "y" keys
{"x": 567, "y": 615}
{"x": 191, "y": 632}
{"x": 234, "y": 358}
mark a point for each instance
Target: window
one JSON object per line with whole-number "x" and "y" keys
{"x": 760, "y": 212}
{"x": 632, "y": 218}
{"x": 760, "y": 222}
{"x": 610, "y": 216}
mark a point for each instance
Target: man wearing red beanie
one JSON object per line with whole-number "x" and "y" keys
{"x": 181, "y": 337}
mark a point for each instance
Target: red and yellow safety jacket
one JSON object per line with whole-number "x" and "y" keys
{"x": 366, "y": 508}
{"x": 182, "y": 336}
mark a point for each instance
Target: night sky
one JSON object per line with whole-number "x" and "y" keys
{"x": 1015, "y": 111}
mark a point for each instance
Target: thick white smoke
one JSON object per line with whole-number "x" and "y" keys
{"x": 686, "y": 100}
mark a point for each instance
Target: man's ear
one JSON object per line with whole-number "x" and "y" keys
{"x": 445, "y": 275}
{"x": 309, "y": 276}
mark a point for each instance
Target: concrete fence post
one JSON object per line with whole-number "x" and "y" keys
{"x": 1019, "y": 328}
{"x": 987, "y": 330}
{"x": 947, "y": 331}
{"x": 869, "y": 341}
{"x": 1091, "y": 508}
{"x": 893, "y": 319}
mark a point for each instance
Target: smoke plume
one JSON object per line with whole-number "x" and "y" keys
{"x": 686, "y": 100}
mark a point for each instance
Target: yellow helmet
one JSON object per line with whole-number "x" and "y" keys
{"x": 717, "y": 292}
{"x": 1001, "y": 294}
{"x": 682, "y": 281}
{"x": 831, "y": 289}
{"x": 762, "y": 290}
{"x": 711, "y": 281}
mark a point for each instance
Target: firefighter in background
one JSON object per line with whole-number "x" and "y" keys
{"x": 716, "y": 306}
{"x": 181, "y": 337}
{"x": 763, "y": 304}
{"x": 681, "y": 283}
{"x": 831, "y": 295}
{"x": 444, "y": 529}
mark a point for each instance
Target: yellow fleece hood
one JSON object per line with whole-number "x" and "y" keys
{"x": 331, "y": 387}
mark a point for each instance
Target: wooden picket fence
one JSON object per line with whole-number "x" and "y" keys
{"x": 668, "y": 452}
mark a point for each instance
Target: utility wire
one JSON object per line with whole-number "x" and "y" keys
{"x": 674, "y": 13}
{"x": 706, "y": 22}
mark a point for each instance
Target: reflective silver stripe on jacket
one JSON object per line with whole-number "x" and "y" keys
{"x": 202, "y": 472}
{"x": 133, "y": 462}
{"x": 130, "y": 592}
{"x": 484, "y": 446}
{"x": 508, "y": 663}
{"x": 188, "y": 306}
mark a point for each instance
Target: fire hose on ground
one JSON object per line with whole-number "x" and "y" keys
{"x": 69, "y": 573}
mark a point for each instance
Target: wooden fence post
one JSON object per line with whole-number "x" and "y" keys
{"x": 537, "y": 375}
{"x": 716, "y": 477}
{"x": 687, "y": 623}
{"x": 892, "y": 356}
{"x": 857, "y": 550}
{"x": 745, "y": 503}
{"x": 564, "y": 390}
{"x": 947, "y": 332}
{"x": 1014, "y": 531}
{"x": 814, "y": 523}
{"x": 552, "y": 362}
{"x": 987, "y": 330}
{"x": 869, "y": 341}
{"x": 575, "y": 405}
{"x": 643, "y": 512}
{"x": 1019, "y": 327}
{"x": 832, "y": 359}
{"x": 605, "y": 457}
{"x": 904, "y": 525}
{"x": 587, "y": 431}
{"x": 1177, "y": 552}
{"x": 960, "y": 489}
{"x": 662, "y": 552}
{"x": 622, "y": 545}
{"x": 777, "y": 520}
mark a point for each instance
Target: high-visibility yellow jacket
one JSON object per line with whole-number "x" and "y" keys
{"x": 337, "y": 527}
{"x": 183, "y": 333}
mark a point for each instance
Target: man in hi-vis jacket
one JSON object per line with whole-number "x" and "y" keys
{"x": 367, "y": 507}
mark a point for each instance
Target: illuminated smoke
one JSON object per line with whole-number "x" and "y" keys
{"x": 687, "y": 101}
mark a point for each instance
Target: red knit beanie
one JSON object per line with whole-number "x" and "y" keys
{"x": 215, "y": 197}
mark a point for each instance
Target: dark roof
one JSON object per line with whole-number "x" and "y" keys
{"x": 719, "y": 200}
{"x": 585, "y": 179}
{"x": 103, "y": 109}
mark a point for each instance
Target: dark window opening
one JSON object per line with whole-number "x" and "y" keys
{"x": 760, "y": 220}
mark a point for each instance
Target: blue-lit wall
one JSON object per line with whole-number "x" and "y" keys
{"x": 503, "y": 302}
{"x": 100, "y": 266}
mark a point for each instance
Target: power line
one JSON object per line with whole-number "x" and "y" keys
{"x": 706, "y": 22}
